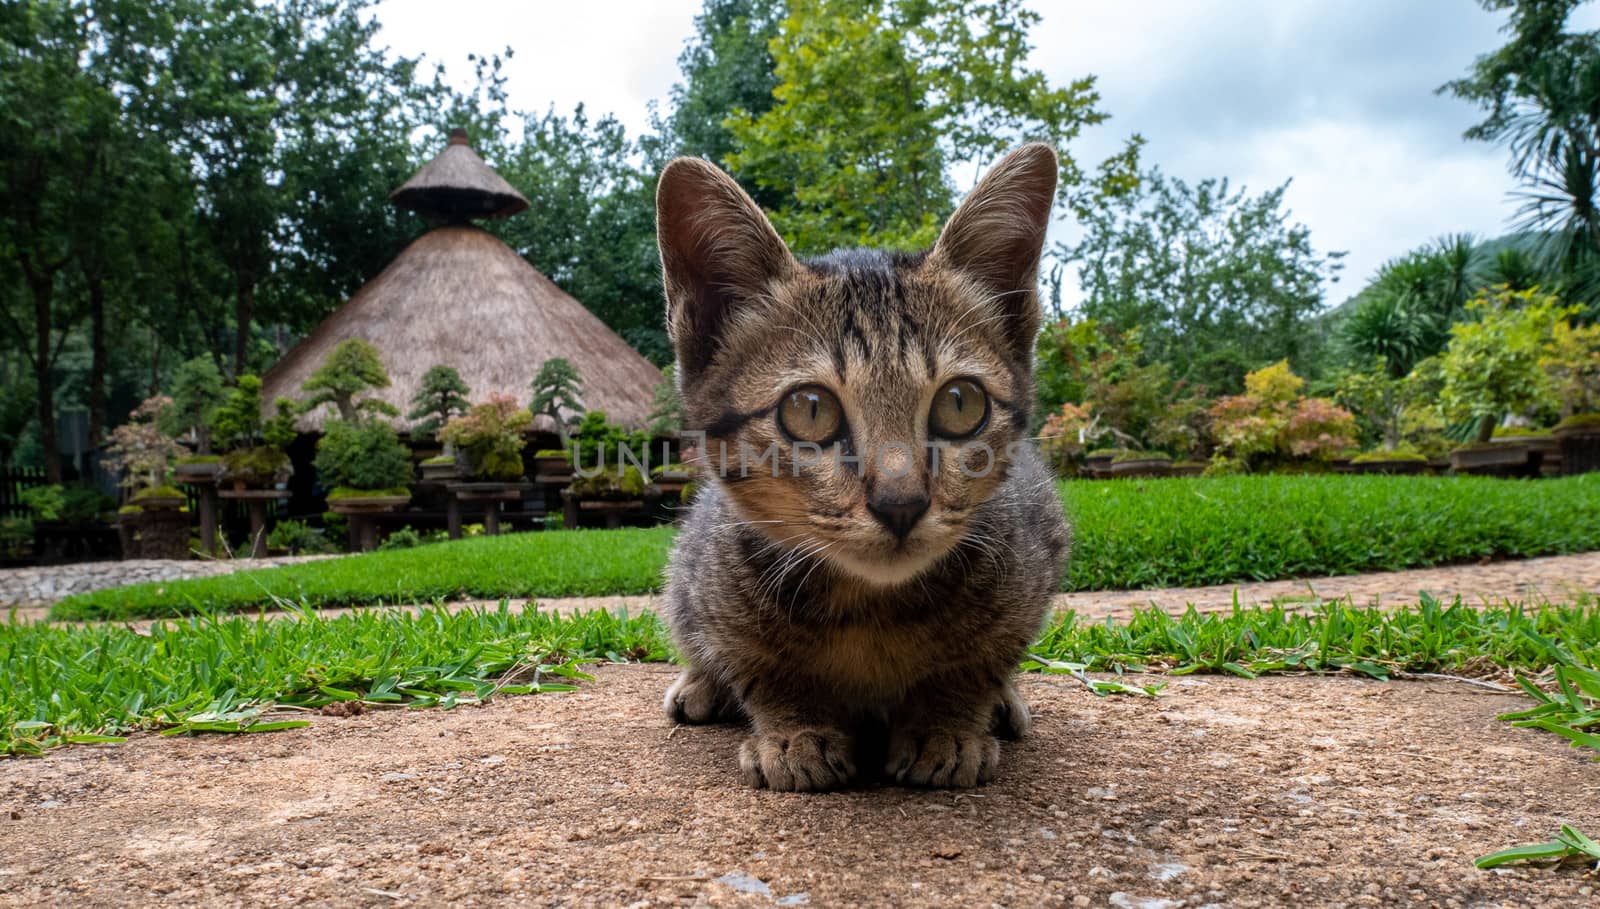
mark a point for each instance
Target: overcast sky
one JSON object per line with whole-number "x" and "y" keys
{"x": 1337, "y": 94}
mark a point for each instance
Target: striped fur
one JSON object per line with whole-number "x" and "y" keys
{"x": 854, "y": 652}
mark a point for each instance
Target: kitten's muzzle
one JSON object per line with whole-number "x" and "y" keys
{"x": 899, "y": 515}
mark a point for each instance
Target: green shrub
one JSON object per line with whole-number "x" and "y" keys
{"x": 1582, "y": 420}
{"x": 160, "y": 492}
{"x": 199, "y": 459}
{"x": 46, "y": 503}
{"x": 362, "y": 455}
{"x": 16, "y": 535}
{"x": 404, "y": 538}
{"x": 258, "y": 466}
{"x": 611, "y": 483}
{"x": 552, "y": 453}
{"x": 298, "y": 538}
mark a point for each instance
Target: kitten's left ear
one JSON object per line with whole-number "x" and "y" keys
{"x": 997, "y": 235}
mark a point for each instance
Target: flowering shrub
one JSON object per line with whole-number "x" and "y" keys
{"x": 1244, "y": 426}
{"x": 1319, "y": 429}
{"x": 490, "y": 435}
{"x": 1065, "y": 435}
{"x": 140, "y": 449}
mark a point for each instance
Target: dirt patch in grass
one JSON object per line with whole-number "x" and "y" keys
{"x": 1277, "y": 791}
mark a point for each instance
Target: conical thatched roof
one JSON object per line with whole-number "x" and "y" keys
{"x": 458, "y": 296}
{"x": 457, "y": 186}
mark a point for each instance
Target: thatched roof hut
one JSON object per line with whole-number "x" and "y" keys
{"x": 458, "y": 296}
{"x": 457, "y": 186}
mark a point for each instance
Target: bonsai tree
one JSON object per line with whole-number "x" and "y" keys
{"x": 666, "y": 409}
{"x": 443, "y": 395}
{"x": 490, "y": 436}
{"x": 357, "y": 456}
{"x": 601, "y": 472}
{"x": 362, "y": 459}
{"x": 1492, "y": 365}
{"x": 254, "y": 446}
{"x": 351, "y": 368}
{"x": 142, "y": 452}
{"x": 1572, "y": 361}
{"x": 558, "y": 394}
{"x": 196, "y": 389}
{"x": 1066, "y": 434}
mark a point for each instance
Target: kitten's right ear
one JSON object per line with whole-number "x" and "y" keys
{"x": 718, "y": 252}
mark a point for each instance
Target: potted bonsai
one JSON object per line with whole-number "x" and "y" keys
{"x": 196, "y": 391}
{"x": 254, "y": 457}
{"x": 603, "y": 480}
{"x": 1140, "y": 464}
{"x": 143, "y": 454}
{"x": 360, "y": 459}
{"x": 152, "y": 524}
{"x": 1492, "y": 367}
{"x": 557, "y": 394}
{"x": 1382, "y": 399}
{"x": 1064, "y": 436}
{"x": 1572, "y": 360}
{"x": 490, "y": 438}
{"x": 1403, "y": 459}
{"x": 442, "y": 397}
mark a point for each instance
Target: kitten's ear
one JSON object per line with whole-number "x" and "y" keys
{"x": 997, "y": 234}
{"x": 718, "y": 252}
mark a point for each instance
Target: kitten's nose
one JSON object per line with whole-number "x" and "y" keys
{"x": 899, "y": 515}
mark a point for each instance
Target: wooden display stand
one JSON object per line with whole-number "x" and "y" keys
{"x": 489, "y": 495}
{"x": 257, "y": 500}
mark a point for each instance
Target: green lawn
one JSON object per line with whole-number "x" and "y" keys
{"x": 69, "y": 683}
{"x": 1129, "y": 534}
{"x": 558, "y": 563}
{"x": 1198, "y": 531}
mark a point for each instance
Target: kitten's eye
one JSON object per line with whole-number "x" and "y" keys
{"x": 810, "y": 414}
{"x": 959, "y": 409}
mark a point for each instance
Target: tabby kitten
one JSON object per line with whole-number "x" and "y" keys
{"x": 875, "y": 544}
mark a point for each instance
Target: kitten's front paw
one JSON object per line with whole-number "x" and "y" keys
{"x": 1012, "y": 718}
{"x": 942, "y": 759}
{"x": 801, "y": 760}
{"x": 695, "y": 698}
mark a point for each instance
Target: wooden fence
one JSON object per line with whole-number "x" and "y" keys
{"x": 13, "y": 480}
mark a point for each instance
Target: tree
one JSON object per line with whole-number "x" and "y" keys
{"x": 666, "y": 406}
{"x": 1492, "y": 366}
{"x": 46, "y": 108}
{"x": 1540, "y": 94}
{"x": 1216, "y": 282}
{"x": 140, "y": 449}
{"x": 727, "y": 70}
{"x": 443, "y": 395}
{"x": 878, "y": 99}
{"x": 196, "y": 390}
{"x": 311, "y": 112}
{"x": 558, "y": 394}
{"x": 352, "y": 367}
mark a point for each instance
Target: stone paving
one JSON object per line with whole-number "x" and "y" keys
{"x": 40, "y": 586}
